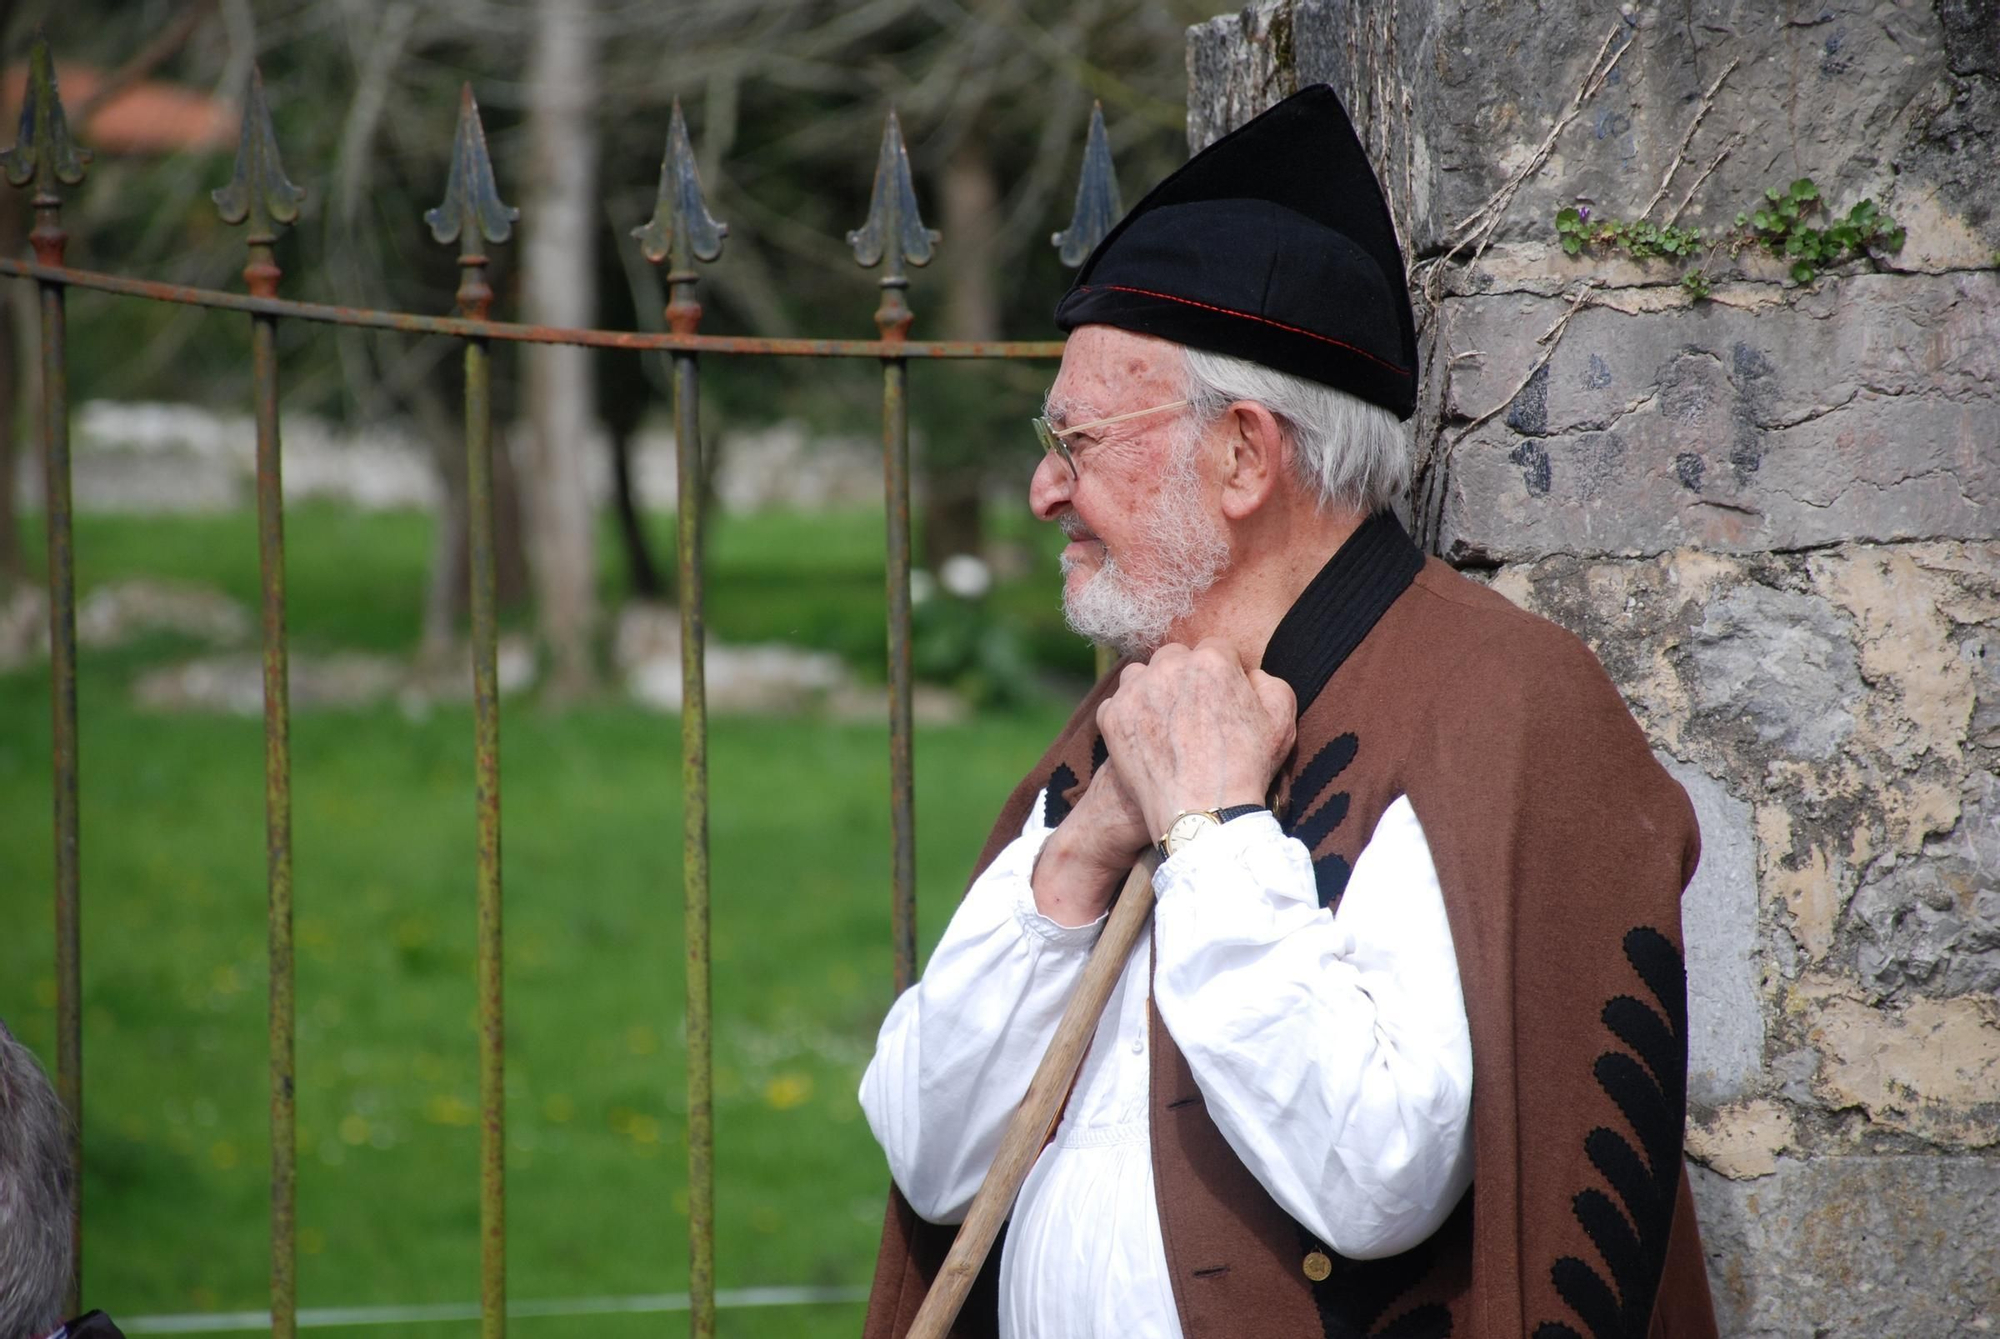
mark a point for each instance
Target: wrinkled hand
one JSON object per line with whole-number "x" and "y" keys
{"x": 1192, "y": 729}
{"x": 1087, "y": 857}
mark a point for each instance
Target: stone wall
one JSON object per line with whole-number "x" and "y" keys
{"x": 1775, "y": 515}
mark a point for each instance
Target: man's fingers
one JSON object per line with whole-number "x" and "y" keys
{"x": 1279, "y": 703}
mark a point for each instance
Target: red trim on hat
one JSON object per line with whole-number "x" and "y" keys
{"x": 1247, "y": 316}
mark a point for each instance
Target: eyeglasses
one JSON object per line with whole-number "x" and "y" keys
{"x": 1051, "y": 437}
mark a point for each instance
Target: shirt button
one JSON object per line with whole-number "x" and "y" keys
{"x": 1317, "y": 1266}
{"x": 1138, "y": 1046}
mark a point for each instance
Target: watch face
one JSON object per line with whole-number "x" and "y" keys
{"x": 1186, "y": 828}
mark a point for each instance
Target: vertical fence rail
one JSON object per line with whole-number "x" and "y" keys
{"x": 894, "y": 234}
{"x": 258, "y": 194}
{"x": 679, "y": 233}
{"x": 45, "y": 157}
{"x": 472, "y": 215}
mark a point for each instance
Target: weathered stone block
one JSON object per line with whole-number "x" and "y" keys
{"x": 1719, "y": 923}
{"x": 1930, "y": 1068}
{"x": 1783, "y": 661}
{"x": 1855, "y": 1248}
{"x": 1932, "y": 925}
{"x": 1895, "y": 102}
{"x": 1869, "y": 410}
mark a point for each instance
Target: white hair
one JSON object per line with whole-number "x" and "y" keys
{"x": 1349, "y": 452}
{"x": 36, "y": 1196}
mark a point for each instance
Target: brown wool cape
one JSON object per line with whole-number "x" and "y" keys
{"x": 1562, "y": 848}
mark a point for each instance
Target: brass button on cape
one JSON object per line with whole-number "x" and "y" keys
{"x": 1317, "y": 1266}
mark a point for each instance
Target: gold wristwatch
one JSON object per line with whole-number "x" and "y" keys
{"x": 1189, "y": 824}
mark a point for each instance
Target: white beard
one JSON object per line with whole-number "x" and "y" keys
{"x": 1182, "y": 550}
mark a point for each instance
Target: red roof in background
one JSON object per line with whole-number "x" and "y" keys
{"x": 151, "y": 116}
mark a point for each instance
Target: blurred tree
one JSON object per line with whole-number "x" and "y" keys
{"x": 786, "y": 100}
{"x": 559, "y": 278}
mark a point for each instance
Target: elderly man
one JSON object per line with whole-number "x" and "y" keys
{"x": 36, "y": 1199}
{"x": 1410, "y": 836}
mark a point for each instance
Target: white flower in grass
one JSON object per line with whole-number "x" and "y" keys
{"x": 965, "y": 576}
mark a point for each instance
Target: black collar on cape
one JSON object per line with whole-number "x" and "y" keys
{"x": 1331, "y": 616}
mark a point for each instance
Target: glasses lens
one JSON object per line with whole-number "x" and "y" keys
{"x": 1046, "y": 435}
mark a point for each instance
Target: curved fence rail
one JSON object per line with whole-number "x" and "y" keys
{"x": 680, "y": 235}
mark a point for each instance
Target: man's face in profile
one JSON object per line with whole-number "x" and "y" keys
{"x": 1145, "y": 539}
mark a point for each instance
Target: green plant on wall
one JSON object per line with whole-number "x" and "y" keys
{"x": 1781, "y": 225}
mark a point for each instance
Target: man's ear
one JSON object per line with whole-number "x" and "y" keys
{"x": 1255, "y": 459}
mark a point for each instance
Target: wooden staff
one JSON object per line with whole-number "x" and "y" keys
{"x": 1028, "y": 1133}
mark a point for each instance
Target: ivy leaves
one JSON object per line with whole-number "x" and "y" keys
{"x": 1781, "y": 225}
{"x": 1642, "y": 240}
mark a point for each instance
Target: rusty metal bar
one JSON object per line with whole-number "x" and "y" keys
{"x": 258, "y": 194}
{"x": 411, "y": 323}
{"x": 45, "y": 157}
{"x": 680, "y": 233}
{"x": 895, "y": 234}
{"x": 902, "y": 784}
{"x": 472, "y": 215}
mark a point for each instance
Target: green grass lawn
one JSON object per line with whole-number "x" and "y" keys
{"x": 174, "y": 951}
{"x": 355, "y": 580}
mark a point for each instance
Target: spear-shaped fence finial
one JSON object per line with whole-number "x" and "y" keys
{"x": 894, "y": 232}
{"x": 681, "y": 230}
{"x": 471, "y": 214}
{"x": 1098, "y": 207}
{"x": 471, "y": 211}
{"x": 259, "y": 192}
{"x": 43, "y": 153}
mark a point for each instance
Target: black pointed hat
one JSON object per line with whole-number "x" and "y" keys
{"x": 1273, "y": 244}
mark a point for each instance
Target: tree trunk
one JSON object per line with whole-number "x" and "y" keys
{"x": 643, "y": 572}
{"x": 953, "y": 478}
{"x": 559, "y": 287}
{"x": 447, "y": 598}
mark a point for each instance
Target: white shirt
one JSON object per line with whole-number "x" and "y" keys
{"x": 1332, "y": 1051}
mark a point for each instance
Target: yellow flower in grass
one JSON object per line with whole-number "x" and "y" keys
{"x": 788, "y": 1090}
{"x": 449, "y": 1109}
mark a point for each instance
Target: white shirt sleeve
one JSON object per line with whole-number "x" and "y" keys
{"x": 957, "y": 1051}
{"x": 1332, "y": 1050}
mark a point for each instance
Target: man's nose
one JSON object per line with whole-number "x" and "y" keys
{"x": 1051, "y": 488}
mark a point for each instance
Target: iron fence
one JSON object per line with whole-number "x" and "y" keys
{"x": 680, "y": 234}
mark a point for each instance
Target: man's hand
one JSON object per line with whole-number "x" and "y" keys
{"x": 1086, "y": 858}
{"x": 1193, "y": 730}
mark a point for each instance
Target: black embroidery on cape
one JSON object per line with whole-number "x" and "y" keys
{"x": 1056, "y": 806}
{"x": 1651, "y": 1092}
{"x": 1061, "y": 781}
{"x": 1330, "y": 874}
{"x": 1305, "y": 816}
{"x": 1358, "y": 1300}
{"x": 1341, "y": 605}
